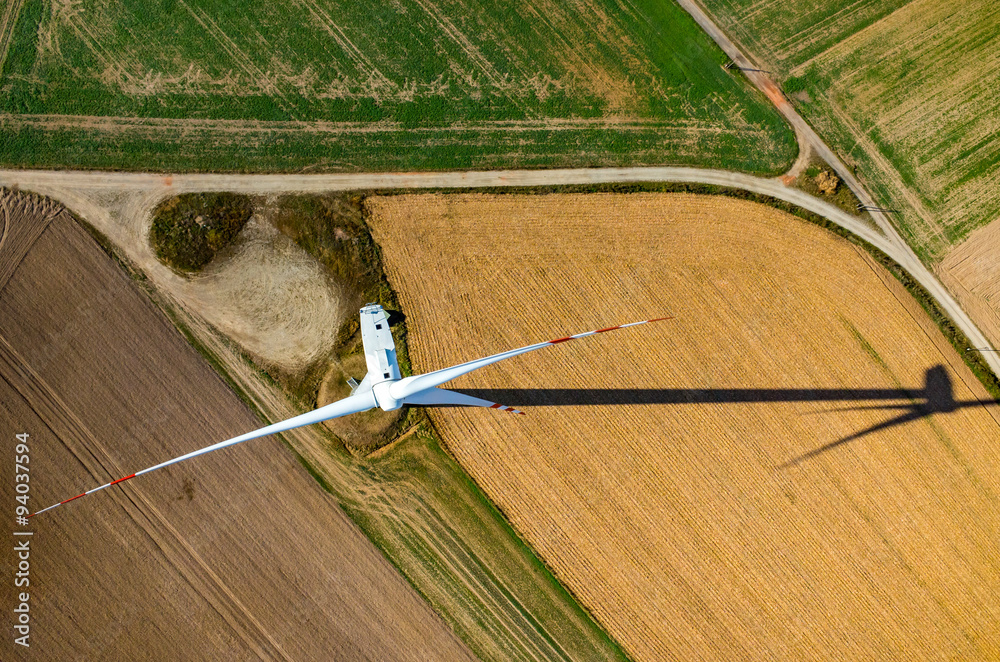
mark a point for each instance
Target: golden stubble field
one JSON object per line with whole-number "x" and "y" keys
{"x": 971, "y": 272}
{"x": 706, "y": 486}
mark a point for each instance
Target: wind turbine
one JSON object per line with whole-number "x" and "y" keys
{"x": 382, "y": 387}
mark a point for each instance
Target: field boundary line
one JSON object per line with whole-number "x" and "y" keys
{"x": 100, "y": 122}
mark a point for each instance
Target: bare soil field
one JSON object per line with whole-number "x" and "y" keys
{"x": 796, "y": 467}
{"x": 241, "y": 556}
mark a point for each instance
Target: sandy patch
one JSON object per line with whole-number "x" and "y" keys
{"x": 270, "y": 296}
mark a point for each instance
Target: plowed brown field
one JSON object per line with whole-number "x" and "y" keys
{"x": 242, "y": 556}
{"x": 796, "y": 467}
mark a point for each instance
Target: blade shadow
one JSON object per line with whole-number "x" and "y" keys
{"x": 563, "y": 397}
{"x": 914, "y": 414}
{"x": 936, "y": 397}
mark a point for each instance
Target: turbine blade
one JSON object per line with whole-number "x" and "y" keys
{"x": 443, "y": 397}
{"x": 350, "y": 405}
{"x": 411, "y": 385}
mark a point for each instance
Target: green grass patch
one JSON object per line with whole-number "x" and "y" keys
{"x": 870, "y": 351}
{"x": 335, "y": 86}
{"x": 189, "y": 229}
{"x": 898, "y": 87}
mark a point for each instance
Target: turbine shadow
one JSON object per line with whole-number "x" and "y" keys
{"x": 936, "y": 397}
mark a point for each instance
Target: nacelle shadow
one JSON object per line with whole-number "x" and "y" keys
{"x": 394, "y": 317}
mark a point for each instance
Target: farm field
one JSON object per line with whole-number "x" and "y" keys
{"x": 782, "y": 36}
{"x": 972, "y": 272}
{"x": 796, "y": 466}
{"x": 238, "y": 557}
{"x": 906, "y": 91}
{"x": 411, "y": 499}
{"x": 414, "y": 84}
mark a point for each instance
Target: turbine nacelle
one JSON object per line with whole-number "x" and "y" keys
{"x": 380, "y": 357}
{"x": 383, "y": 396}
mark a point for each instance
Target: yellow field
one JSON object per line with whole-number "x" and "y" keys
{"x": 971, "y": 272}
{"x": 698, "y": 483}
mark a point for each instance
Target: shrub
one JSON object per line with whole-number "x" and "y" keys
{"x": 189, "y": 229}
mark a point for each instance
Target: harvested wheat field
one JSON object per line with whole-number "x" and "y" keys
{"x": 971, "y": 272}
{"x": 796, "y": 467}
{"x": 240, "y": 555}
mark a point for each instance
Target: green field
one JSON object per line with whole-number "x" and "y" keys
{"x": 326, "y": 85}
{"x": 783, "y": 35}
{"x": 906, "y": 91}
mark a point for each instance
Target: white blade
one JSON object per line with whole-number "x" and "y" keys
{"x": 440, "y": 396}
{"x": 350, "y": 405}
{"x": 411, "y": 385}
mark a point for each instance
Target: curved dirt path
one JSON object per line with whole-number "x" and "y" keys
{"x": 803, "y": 132}
{"x": 119, "y": 203}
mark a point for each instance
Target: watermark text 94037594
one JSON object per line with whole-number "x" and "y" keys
{"x": 22, "y": 542}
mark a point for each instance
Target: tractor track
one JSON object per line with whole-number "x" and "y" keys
{"x": 177, "y": 552}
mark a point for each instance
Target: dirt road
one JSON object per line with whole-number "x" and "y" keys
{"x": 119, "y": 204}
